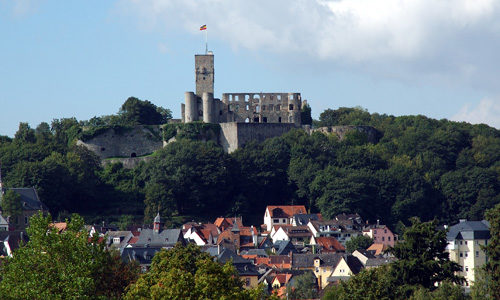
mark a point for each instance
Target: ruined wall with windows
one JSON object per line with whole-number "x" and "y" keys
{"x": 261, "y": 108}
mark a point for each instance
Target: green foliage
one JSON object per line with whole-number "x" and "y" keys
{"x": 305, "y": 287}
{"x": 193, "y": 131}
{"x": 25, "y": 133}
{"x": 358, "y": 242}
{"x": 63, "y": 265}
{"x": 492, "y": 267}
{"x": 138, "y": 112}
{"x": 188, "y": 273}
{"x": 421, "y": 264}
{"x": 421, "y": 257}
{"x": 11, "y": 204}
{"x": 305, "y": 115}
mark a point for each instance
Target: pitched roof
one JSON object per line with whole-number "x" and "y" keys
{"x": 303, "y": 219}
{"x": 29, "y": 198}
{"x": 285, "y": 211}
{"x": 307, "y": 260}
{"x": 165, "y": 238}
{"x": 329, "y": 244}
{"x": 297, "y": 231}
{"x": 60, "y": 226}
{"x": 378, "y": 261}
{"x": 283, "y": 278}
{"x": 469, "y": 230}
{"x": 379, "y": 248}
{"x": 284, "y": 247}
{"x": 13, "y": 238}
{"x": 143, "y": 255}
{"x": 354, "y": 263}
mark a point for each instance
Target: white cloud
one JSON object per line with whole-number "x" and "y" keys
{"x": 452, "y": 41}
{"x": 487, "y": 111}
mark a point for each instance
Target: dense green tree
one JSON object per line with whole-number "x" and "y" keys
{"x": 445, "y": 291}
{"x": 493, "y": 251}
{"x": 11, "y": 204}
{"x": 135, "y": 111}
{"x": 187, "y": 273}
{"x": 305, "y": 287}
{"x": 421, "y": 257}
{"x": 305, "y": 115}
{"x": 368, "y": 284}
{"x": 25, "y": 133}
{"x": 358, "y": 242}
{"x": 63, "y": 265}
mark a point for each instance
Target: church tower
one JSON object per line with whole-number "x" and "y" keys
{"x": 204, "y": 72}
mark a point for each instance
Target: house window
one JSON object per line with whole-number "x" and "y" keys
{"x": 477, "y": 242}
{"x": 385, "y": 230}
{"x": 461, "y": 254}
{"x": 460, "y": 242}
{"x": 389, "y": 238}
{"x": 465, "y": 254}
{"x": 465, "y": 242}
{"x": 276, "y": 220}
{"x": 284, "y": 221}
{"x": 466, "y": 269}
{"x": 247, "y": 281}
{"x": 116, "y": 240}
{"x": 25, "y": 220}
{"x": 477, "y": 253}
{"x": 383, "y": 239}
{"x": 374, "y": 232}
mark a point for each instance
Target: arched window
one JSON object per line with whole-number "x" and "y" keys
{"x": 257, "y": 108}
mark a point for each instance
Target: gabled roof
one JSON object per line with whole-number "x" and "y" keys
{"x": 227, "y": 254}
{"x": 3, "y": 221}
{"x": 29, "y": 198}
{"x": 297, "y": 231}
{"x": 329, "y": 244}
{"x": 285, "y": 211}
{"x": 469, "y": 230}
{"x": 354, "y": 263}
{"x": 224, "y": 223}
{"x": 282, "y": 279}
{"x": 60, "y": 226}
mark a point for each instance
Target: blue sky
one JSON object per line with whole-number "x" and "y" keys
{"x": 85, "y": 58}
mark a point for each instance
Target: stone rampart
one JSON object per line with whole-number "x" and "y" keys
{"x": 372, "y": 134}
{"x": 128, "y": 142}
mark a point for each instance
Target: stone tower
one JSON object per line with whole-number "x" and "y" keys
{"x": 204, "y": 70}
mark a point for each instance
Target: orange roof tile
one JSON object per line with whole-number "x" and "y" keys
{"x": 378, "y": 248}
{"x": 329, "y": 244}
{"x": 287, "y": 210}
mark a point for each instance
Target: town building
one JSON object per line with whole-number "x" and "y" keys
{"x": 465, "y": 240}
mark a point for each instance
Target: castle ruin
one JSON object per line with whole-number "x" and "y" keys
{"x": 236, "y": 107}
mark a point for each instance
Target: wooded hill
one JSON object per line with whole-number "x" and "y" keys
{"x": 420, "y": 167}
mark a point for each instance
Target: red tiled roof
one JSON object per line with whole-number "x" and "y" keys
{"x": 288, "y": 210}
{"x": 329, "y": 244}
{"x": 283, "y": 278}
{"x": 133, "y": 240}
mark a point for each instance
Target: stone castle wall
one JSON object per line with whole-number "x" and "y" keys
{"x": 372, "y": 134}
{"x": 134, "y": 142}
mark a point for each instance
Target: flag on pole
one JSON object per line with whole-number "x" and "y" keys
{"x": 203, "y": 27}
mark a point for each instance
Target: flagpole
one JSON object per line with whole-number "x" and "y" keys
{"x": 206, "y": 41}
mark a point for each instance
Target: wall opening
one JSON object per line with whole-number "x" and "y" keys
{"x": 103, "y": 149}
{"x": 247, "y": 120}
{"x": 278, "y": 107}
{"x": 256, "y": 120}
{"x": 279, "y": 120}
{"x": 290, "y": 119}
{"x": 133, "y": 154}
{"x": 263, "y": 107}
{"x": 290, "y": 107}
{"x": 257, "y": 108}
{"x": 247, "y": 107}
{"x": 220, "y": 112}
{"x": 264, "y": 120}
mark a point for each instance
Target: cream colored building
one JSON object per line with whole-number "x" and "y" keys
{"x": 464, "y": 246}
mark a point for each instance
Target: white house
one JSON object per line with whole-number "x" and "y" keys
{"x": 281, "y": 214}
